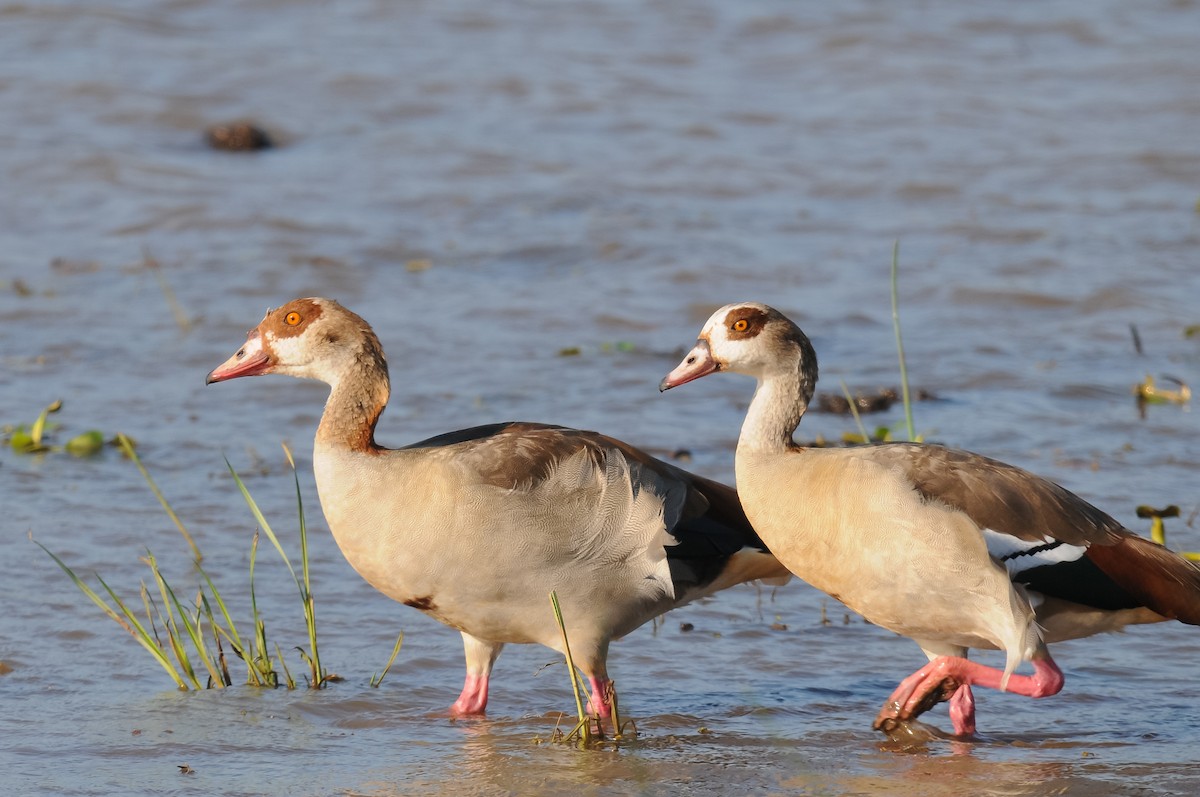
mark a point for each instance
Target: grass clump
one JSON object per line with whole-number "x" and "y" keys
{"x": 188, "y": 638}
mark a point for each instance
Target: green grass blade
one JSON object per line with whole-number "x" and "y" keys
{"x": 246, "y": 655}
{"x": 575, "y": 679}
{"x": 260, "y": 655}
{"x": 291, "y": 682}
{"x": 862, "y": 430}
{"x": 172, "y": 628}
{"x": 127, "y": 447}
{"x": 230, "y": 629}
{"x": 216, "y": 630}
{"x": 908, "y": 415}
{"x": 262, "y": 522}
{"x": 191, "y": 625}
{"x": 310, "y": 609}
{"x": 125, "y": 618}
{"x": 152, "y": 264}
{"x": 376, "y": 680}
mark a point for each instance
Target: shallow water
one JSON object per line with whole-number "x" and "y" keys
{"x": 492, "y": 184}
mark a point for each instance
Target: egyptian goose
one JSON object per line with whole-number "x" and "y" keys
{"x": 476, "y": 527}
{"x": 946, "y": 547}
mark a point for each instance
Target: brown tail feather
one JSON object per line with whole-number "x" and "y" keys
{"x": 1165, "y": 581}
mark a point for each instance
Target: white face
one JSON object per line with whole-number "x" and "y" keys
{"x": 293, "y": 354}
{"x": 253, "y": 347}
{"x": 310, "y": 338}
{"x": 733, "y": 335}
{"x": 728, "y": 341}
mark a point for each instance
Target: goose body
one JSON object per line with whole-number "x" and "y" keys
{"x": 476, "y": 527}
{"x": 952, "y": 549}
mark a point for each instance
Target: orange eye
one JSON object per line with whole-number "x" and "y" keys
{"x": 292, "y": 318}
{"x": 740, "y": 325}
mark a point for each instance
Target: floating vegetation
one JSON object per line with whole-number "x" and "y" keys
{"x": 188, "y": 639}
{"x": 846, "y": 403}
{"x": 1147, "y": 392}
{"x": 35, "y": 438}
{"x": 864, "y": 401}
{"x": 1158, "y": 531}
{"x": 238, "y": 136}
{"x": 608, "y": 347}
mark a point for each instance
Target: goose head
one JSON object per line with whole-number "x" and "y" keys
{"x": 747, "y": 338}
{"x": 309, "y": 338}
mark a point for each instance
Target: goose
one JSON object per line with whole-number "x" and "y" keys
{"x": 949, "y": 548}
{"x": 476, "y": 527}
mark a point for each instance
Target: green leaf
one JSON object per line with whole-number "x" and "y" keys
{"x": 23, "y": 443}
{"x": 85, "y": 444}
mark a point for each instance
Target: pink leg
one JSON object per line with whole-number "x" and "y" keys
{"x": 480, "y": 657}
{"x": 473, "y": 700}
{"x": 943, "y": 677}
{"x": 597, "y": 702}
{"x": 962, "y": 711}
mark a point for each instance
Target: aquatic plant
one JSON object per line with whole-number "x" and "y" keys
{"x": 377, "y": 679}
{"x": 127, "y": 447}
{"x": 1147, "y": 392}
{"x": 853, "y": 405}
{"x": 124, "y": 617}
{"x": 151, "y": 264}
{"x": 1158, "y": 531}
{"x": 317, "y": 674}
{"x": 883, "y": 434}
{"x": 188, "y": 640}
{"x": 589, "y": 730}
{"x": 907, "y": 398}
{"x": 32, "y": 438}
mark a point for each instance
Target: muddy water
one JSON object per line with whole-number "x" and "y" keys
{"x": 492, "y": 184}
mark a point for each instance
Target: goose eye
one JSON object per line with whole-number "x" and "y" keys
{"x": 740, "y": 325}
{"x": 292, "y": 318}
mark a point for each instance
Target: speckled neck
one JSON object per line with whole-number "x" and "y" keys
{"x": 358, "y": 397}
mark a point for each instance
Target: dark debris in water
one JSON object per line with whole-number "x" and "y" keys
{"x": 879, "y": 400}
{"x": 238, "y": 137}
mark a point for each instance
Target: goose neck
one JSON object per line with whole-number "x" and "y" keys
{"x": 356, "y": 400}
{"x": 775, "y": 411}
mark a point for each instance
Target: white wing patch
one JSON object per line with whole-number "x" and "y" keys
{"x": 615, "y": 521}
{"x": 1020, "y": 555}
